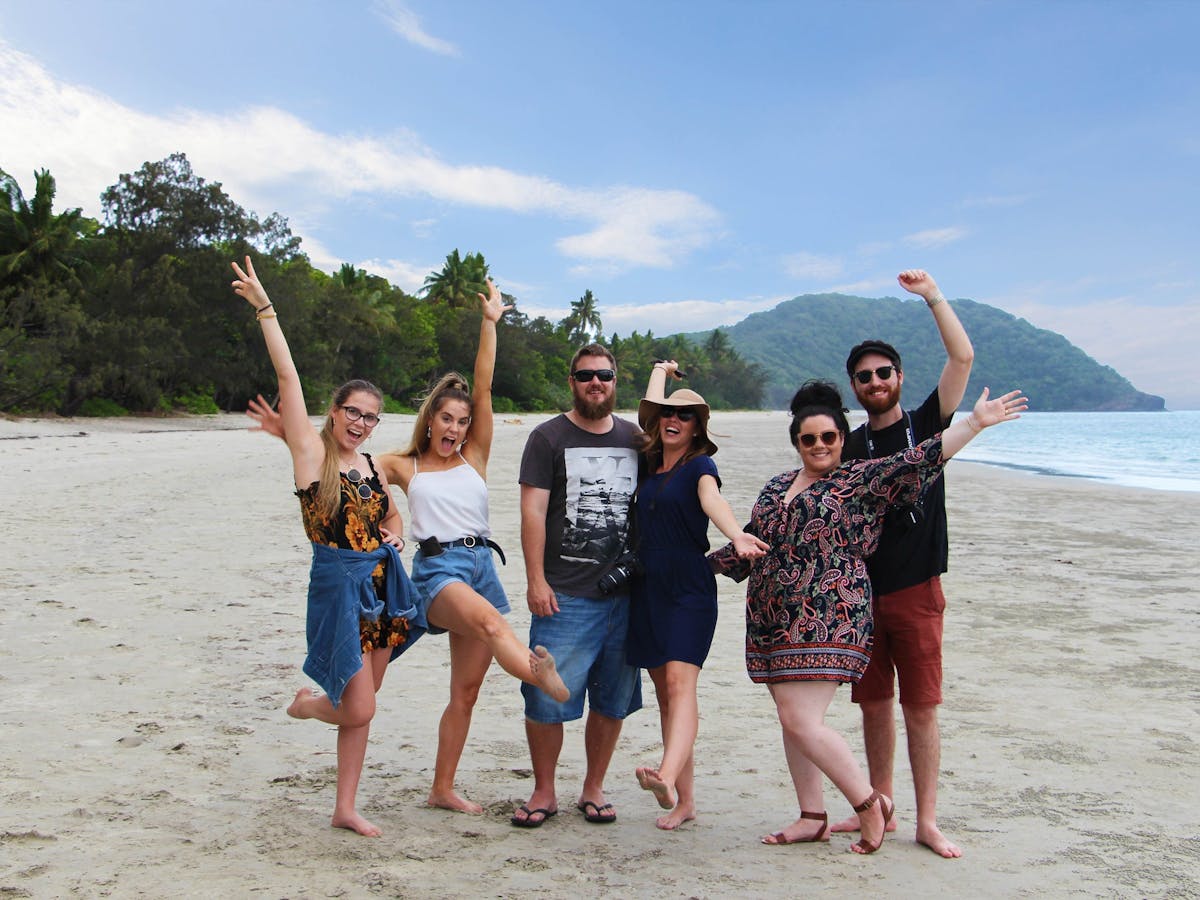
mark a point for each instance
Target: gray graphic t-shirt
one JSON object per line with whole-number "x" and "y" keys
{"x": 590, "y": 478}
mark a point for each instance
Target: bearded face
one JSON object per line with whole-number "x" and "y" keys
{"x": 593, "y": 399}
{"x": 878, "y": 395}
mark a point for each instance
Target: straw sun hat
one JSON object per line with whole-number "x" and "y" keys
{"x": 684, "y": 397}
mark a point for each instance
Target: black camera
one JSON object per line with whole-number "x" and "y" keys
{"x": 624, "y": 570}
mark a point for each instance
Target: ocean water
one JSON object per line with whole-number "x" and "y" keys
{"x": 1157, "y": 450}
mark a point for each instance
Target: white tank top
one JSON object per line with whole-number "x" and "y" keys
{"x": 448, "y": 505}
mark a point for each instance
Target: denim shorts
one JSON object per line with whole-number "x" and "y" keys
{"x": 473, "y": 566}
{"x": 587, "y": 638}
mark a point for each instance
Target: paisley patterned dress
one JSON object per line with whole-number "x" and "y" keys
{"x": 808, "y": 601}
{"x": 356, "y": 527}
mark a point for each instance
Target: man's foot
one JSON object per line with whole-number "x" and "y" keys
{"x": 354, "y": 822}
{"x": 452, "y": 801}
{"x": 933, "y": 838}
{"x": 851, "y": 824}
{"x": 597, "y": 813}
{"x": 676, "y": 817}
{"x": 525, "y": 817}
{"x": 545, "y": 674}
{"x": 296, "y": 707}
{"x": 651, "y": 781}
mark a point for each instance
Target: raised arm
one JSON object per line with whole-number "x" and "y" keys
{"x": 959, "y": 352}
{"x": 479, "y": 446}
{"x": 302, "y": 439}
{"x": 656, "y": 388}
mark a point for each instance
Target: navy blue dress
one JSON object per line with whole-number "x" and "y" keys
{"x": 673, "y": 607}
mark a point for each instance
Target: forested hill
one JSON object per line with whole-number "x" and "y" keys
{"x": 809, "y": 337}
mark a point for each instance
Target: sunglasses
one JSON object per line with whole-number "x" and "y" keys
{"x": 863, "y": 376}
{"x": 355, "y": 478}
{"x": 683, "y": 415}
{"x": 353, "y": 413}
{"x": 585, "y": 375}
{"x": 828, "y": 438}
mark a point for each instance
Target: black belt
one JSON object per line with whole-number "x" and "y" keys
{"x": 431, "y": 546}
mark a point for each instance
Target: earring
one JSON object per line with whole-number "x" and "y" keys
{"x": 428, "y": 431}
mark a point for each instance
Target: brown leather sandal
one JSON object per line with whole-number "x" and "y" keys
{"x": 822, "y": 817}
{"x": 887, "y": 807}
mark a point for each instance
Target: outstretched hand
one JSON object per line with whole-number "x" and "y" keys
{"x": 918, "y": 281}
{"x": 493, "y": 304}
{"x": 267, "y": 419}
{"x": 1002, "y": 409}
{"x": 248, "y": 287}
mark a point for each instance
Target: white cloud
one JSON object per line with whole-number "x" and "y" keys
{"x": 810, "y": 266}
{"x": 404, "y": 275}
{"x": 405, "y": 23}
{"x": 1001, "y": 201}
{"x": 863, "y": 287}
{"x": 257, "y": 152}
{"x": 423, "y": 228}
{"x": 936, "y": 237}
{"x": 670, "y": 317}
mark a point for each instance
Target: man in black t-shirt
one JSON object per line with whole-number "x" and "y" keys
{"x": 905, "y": 571}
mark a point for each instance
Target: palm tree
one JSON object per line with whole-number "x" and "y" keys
{"x": 584, "y": 320}
{"x": 460, "y": 279}
{"x": 34, "y": 241}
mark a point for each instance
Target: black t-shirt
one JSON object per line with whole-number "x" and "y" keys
{"x": 908, "y": 554}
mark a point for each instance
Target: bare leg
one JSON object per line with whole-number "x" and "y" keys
{"x": 545, "y": 745}
{"x": 469, "y": 662}
{"x": 679, "y": 715}
{"x": 879, "y": 735}
{"x": 685, "y": 808}
{"x": 801, "y": 707}
{"x": 459, "y": 609}
{"x": 600, "y": 736}
{"x": 353, "y": 718}
{"x": 925, "y": 758}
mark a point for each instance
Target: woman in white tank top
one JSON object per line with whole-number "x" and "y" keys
{"x": 443, "y": 473}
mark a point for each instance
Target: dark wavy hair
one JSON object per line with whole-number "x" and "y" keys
{"x": 818, "y": 398}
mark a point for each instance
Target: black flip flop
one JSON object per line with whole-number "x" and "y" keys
{"x": 528, "y": 821}
{"x": 595, "y": 814}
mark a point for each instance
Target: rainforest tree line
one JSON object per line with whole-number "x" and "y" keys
{"x": 133, "y": 313}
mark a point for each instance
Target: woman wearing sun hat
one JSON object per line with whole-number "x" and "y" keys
{"x": 673, "y": 608}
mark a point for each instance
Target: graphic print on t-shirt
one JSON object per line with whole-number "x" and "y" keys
{"x": 600, "y": 481}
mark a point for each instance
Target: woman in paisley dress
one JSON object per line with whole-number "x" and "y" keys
{"x": 808, "y": 601}
{"x": 673, "y": 606}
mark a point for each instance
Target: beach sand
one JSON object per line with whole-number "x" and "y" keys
{"x": 152, "y": 631}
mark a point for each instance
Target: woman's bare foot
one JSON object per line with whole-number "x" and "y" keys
{"x": 651, "y": 781}
{"x": 676, "y": 817}
{"x": 452, "y": 801}
{"x": 355, "y": 822}
{"x": 545, "y": 674}
{"x": 851, "y": 824}
{"x": 932, "y": 837}
{"x": 296, "y": 709}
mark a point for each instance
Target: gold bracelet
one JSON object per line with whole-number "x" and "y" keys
{"x": 262, "y": 316}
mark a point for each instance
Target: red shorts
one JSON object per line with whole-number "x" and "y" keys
{"x": 908, "y": 643}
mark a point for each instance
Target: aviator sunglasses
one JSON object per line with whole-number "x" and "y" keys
{"x": 863, "y": 376}
{"x": 585, "y": 375}
{"x": 683, "y": 415}
{"x": 828, "y": 438}
{"x": 353, "y": 413}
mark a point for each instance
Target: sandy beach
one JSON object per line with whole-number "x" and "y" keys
{"x": 152, "y": 631}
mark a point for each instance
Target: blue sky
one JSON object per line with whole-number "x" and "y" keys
{"x": 690, "y": 163}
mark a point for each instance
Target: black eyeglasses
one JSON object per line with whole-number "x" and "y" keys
{"x": 683, "y": 415}
{"x": 353, "y": 413}
{"x": 863, "y": 376}
{"x": 585, "y": 375}
{"x": 828, "y": 438}
{"x": 356, "y": 480}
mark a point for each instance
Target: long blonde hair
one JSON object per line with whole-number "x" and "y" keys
{"x": 451, "y": 386}
{"x": 329, "y": 488}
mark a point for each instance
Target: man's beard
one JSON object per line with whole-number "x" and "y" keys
{"x": 595, "y": 409}
{"x": 876, "y": 405}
